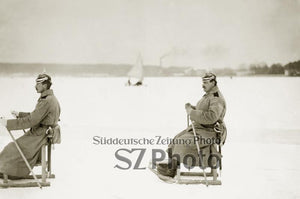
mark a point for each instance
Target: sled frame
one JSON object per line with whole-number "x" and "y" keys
{"x": 45, "y": 171}
{"x": 197, "y": 177}
{"x": 189, "y": 177}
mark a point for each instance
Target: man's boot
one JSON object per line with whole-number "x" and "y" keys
{"x": 168, "y": 169}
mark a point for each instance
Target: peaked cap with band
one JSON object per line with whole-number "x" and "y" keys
{"x": 42, "y": 78}
{"x": 209, "y": 76}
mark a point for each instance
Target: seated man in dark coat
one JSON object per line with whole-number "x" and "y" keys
{"x": 206, "y": 116}
{"x": 45, "y": 114}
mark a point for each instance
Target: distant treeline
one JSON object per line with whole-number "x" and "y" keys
{"x": 121, "y": 70}
{"x": 292, "y": 68}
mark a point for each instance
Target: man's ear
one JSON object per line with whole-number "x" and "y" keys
{"x": 45, "y": 86}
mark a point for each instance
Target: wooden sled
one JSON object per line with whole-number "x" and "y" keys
{"x": 29, "y": 180}
{"x": 189, "y": 177}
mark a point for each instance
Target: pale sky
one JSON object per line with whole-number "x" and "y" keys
{"x": 198, "y": 33}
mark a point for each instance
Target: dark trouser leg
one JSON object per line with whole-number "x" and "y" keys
{"x": 171, "y": 145}
{"x": 185, "y": 143}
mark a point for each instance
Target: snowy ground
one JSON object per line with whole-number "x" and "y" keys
{"x": 261, "y": 156}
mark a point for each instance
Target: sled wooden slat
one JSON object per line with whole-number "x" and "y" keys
{"x": 188, "y": 177}
{"x": 23, "y": 184}
{"x": 195, "y": 174}
{"x": 188, "y": 181}
{"x": 40, "y": 176}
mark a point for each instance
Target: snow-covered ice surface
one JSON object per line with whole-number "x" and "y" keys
{"x": 260, "y": 157}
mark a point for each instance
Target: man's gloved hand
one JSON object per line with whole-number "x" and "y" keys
{"x": 188, "y": 108}
{"x": 15, "y": 113}
{"x": 187, "y": 105}
{"x": 3, "y": 121}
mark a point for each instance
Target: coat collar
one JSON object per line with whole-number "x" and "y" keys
{"x": 47, "y": 92}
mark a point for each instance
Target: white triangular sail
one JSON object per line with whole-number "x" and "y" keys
{"x": 137, "y": 71}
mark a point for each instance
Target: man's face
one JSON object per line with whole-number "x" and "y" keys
{"x": 207, "y": 85}
{"x": 39, "y": 87}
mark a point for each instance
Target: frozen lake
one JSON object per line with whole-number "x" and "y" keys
{"x": 261, "y": 155}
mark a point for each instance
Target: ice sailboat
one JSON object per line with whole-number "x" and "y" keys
{"x": 136, "y": 73}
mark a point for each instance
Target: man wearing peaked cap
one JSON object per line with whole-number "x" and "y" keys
{"x": 43, "y": 77}
{"x": 207, "y": 117}
{"x": 43, "y": 82}
{"x": 209, "y": 76}
{"x": 45, "y": 114}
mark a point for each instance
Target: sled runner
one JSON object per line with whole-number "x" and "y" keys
{"x": 190, "y": 176}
